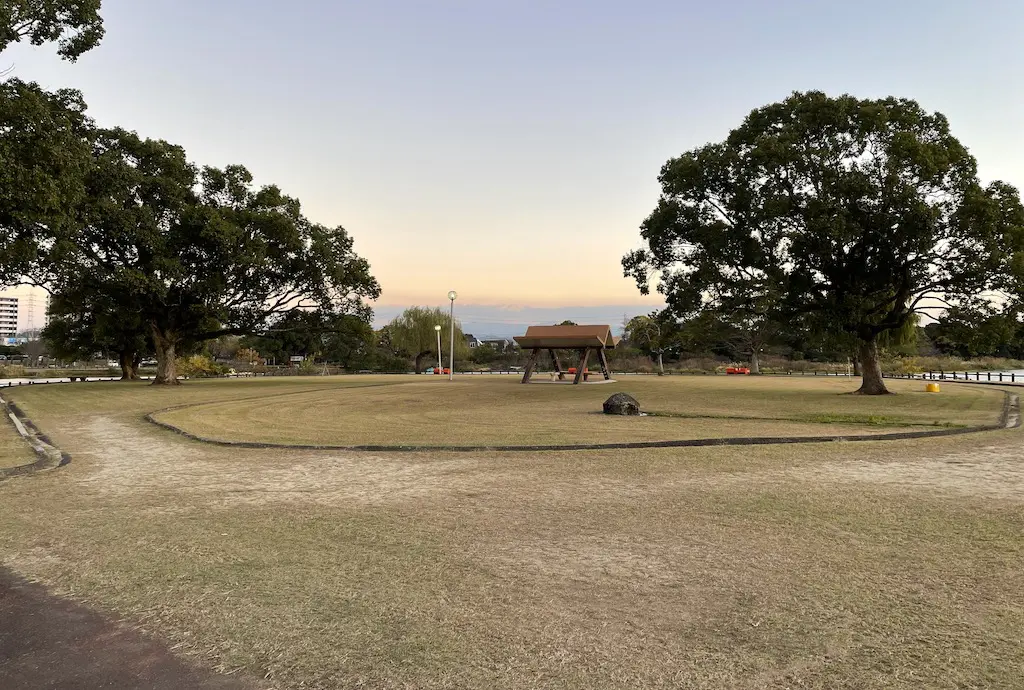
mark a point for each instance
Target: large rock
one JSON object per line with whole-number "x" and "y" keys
{"x": 621, "y": 403}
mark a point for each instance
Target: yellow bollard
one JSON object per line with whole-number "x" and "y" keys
{"x": 932, "y": 388}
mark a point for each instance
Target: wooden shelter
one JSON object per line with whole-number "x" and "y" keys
{"x": 582, "y": 339}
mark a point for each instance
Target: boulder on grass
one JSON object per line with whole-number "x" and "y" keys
{"x": 622, "y": 403}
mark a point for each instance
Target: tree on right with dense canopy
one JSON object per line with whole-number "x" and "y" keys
{"x": 853, "y": 215}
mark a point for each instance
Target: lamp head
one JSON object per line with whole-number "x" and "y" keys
{"x": 437, "y": 328}
{"x": 452, "y": 295}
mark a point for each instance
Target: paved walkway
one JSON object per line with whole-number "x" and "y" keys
{"x": 48, "y": 643}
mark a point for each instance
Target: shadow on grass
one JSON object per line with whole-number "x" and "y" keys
{"x": 50, "y": 642}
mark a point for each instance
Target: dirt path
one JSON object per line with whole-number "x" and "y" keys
{"x": 49, "y": 642}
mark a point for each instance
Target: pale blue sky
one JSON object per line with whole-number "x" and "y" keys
{"x": 510, "y": 150}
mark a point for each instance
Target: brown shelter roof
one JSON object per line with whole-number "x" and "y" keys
{"x": 567, "y": 337}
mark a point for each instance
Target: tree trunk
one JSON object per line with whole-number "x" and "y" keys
{"x": 856, "y": 366}
{"x": 661, "y": 364}
{"x": 129, "y": 370}
{"x": 871, "y": 370}
{"x": 166, "y": 345}
{"x": 755, "y": 364}
{"x": 419, "y": 360}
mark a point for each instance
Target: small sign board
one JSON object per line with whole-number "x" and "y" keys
{"x": 296, "y": 358}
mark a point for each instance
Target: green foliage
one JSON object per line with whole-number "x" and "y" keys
{"x": 845, "y": 214}
{"x": 44, "y": 157}
{"x": 84, "y": 321}
{"x": 484, "y": 354}
{"x": 75, "y": 24}
{"x": 344, "y": 339}
{"x": 644, "y": 333}
{"x": 411, "y": 334}
{"x": 224, "y": 348}
{"x": 199, "y": 366}
{"x": 197, "y": 254}
{"x": 980, "y": 331}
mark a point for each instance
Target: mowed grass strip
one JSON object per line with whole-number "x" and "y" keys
{"x": 14, "y": 451}
{"x": 56, "y": 407}
{"x": 495, "y": 410}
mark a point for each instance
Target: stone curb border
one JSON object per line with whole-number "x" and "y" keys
{"x": 49, "y": 457}
{"x": 1009, "y": 419}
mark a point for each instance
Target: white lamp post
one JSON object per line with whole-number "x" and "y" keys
{"x": 451, "y": 317}
{"x": 437, "y": 328}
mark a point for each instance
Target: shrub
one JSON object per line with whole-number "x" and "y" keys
{"x": 899, "y": 366}
{"x": 199, "y": 366}
{"x": 11, "y": 371}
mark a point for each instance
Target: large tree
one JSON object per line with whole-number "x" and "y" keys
{"x": 345, "y": 339}
{"x": 44, "y": 157}
{"x": 412, "y": 334}
{"x": 84, "y": 320}
{"x": 200, "y": 254}
{"x": 75, "y": 24}
{"x": 651, "y": 334}
{"x": 851, "y": 215}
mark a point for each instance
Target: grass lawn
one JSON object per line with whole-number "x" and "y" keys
{"x": 14, "y": 451}
{"x": 868, "y": 565}
{"x": 499, "y": 410}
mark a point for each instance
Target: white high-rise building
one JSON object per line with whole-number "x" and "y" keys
{"x": 33, "y": 306}
{"x": 8, "y": 316}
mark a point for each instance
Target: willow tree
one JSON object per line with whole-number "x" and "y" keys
{"x": 412, "y": 334}
{"x": 849, "y": 215}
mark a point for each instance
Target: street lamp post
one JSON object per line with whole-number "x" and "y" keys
{"x": 440, "y": 366}
{"x": 451, "y": 318}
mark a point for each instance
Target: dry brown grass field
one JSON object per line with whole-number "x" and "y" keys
{"x": 833, "y": 565}
{"x": 498, "y": 410}
{"x": 13, "y": 451}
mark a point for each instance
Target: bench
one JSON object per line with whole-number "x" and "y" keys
{"x": 571, "y": 371}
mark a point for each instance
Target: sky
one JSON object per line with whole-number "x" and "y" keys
{"x": 510, "y": 150}
{"x": 31, "y": 306}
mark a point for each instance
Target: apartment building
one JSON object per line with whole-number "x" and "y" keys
{"x": 8, "y": 316}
